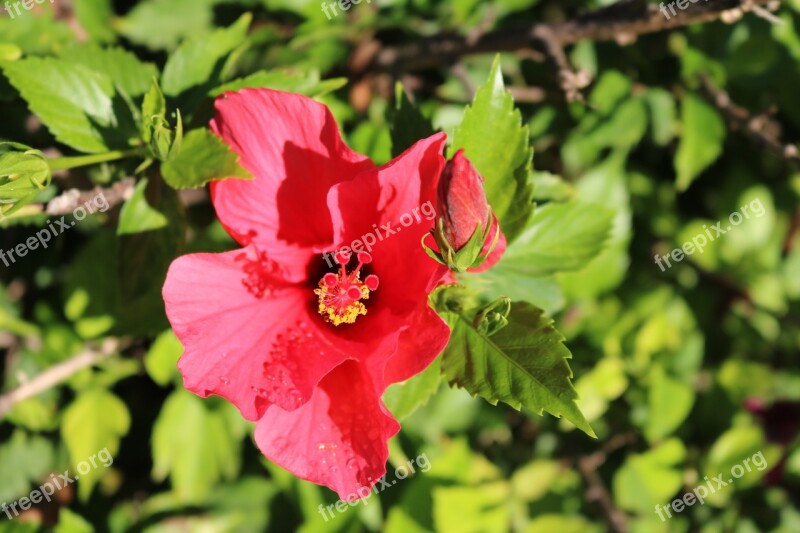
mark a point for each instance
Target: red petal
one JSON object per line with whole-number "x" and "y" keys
{"x": 248, "y": 336}
{"x": 425, "y": 338}
{"x": 388, "y": 193}
{"x": 402, "y": 195}
{"x": 292, "y": 145}
{"x": 338, "y": 439}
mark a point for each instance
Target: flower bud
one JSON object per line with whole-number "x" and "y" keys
{"x": 462, "y": 201}
{"x": 466, "y": 232}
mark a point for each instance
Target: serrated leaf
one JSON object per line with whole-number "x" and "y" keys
{"x": 137, "y": 216}
{"x": 122, "y": 67}
{"x": 202, "y": 157}
{"x": 408, "y": 124}
{"x": 701, "y": 139}
{"x": 94, "y": 422}
{"x": 210, "y": 450}
{"x": 74, "y": 102}
{"x": 195, "y": 61}
{"x": 523, "y": 365}
{"x": 497, "y": 143}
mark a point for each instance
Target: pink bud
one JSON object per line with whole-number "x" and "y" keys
{"x": 462, "y": 201}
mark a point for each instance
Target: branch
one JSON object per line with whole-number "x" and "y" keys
{"x": 68, "y": 201}
{"x": 55, "y": 375}
{"x": 596, "y": 490}
{"x": 621, "y": 22}
{"x": 760, "y": 129}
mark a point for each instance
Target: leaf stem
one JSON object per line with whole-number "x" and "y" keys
{"x": 64, "y": 163}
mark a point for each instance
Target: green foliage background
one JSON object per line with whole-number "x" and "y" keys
{"x": 681, "y": 374}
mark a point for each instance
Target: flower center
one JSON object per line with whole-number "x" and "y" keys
{"x": 340, "y": 294}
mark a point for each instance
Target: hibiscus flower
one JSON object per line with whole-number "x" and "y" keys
{"x": 303, "y": 348}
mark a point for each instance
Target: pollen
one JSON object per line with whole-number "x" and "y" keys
{"x": 341, "y": 294}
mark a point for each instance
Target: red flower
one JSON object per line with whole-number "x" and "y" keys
{"x": 305, "y": 349}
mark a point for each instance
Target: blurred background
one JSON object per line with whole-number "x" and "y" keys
{"x": 683, "y": 372}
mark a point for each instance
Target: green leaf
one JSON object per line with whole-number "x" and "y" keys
{"x": 373, "y": 141}
{"x": 94, "y": 422}
{"x": 650, "y": 478}
{"x": 24, "y": 460}
{"x": 523, "y": 365}
{"x": 408, "y": 124}
{"x": 669, "y": 403}
{"x": 604, "y": 383}
{"x": 560, "y": 237}
{"x": 91, "y": 294}
{"x": 196, "y": 60}
{"x": 95, "y": 16}
{"x": 70, "y": 522}
{"x": 143, "y": 260}
{"x": 482, "y": 509}
{"x": 9, "y": 52}
{"x": 162, "y": 24}
{"x": 161, "y": 360}
{"x": 542, "y": 292}
{"x": 137, "y": 216}
{"x": 22, "y": 173}
{"x": 36, "y": 35}
{"x": 210, "y": 450}
{"x": 701, "y": 141}
{"x": 402, "y": 399}
{"x": 605, "y": 185}
{"x": 73, "y": 101}
{"x": 202, "y": 157}
{"x": 297, "y": 81}
{"x": 497, "y": 143}
{"x": 744, "y": 445}
{"x": 663, "y": 115}
{"x": 123, "y": 67}
{"x": 562, "y": 524}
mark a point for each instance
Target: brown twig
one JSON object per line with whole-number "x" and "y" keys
{"x": 71, "y": 199}
{"x": 622, "y": 22}
{"x": 760, "y": 129}
{"x": 56, "y": 375}
{"x": 596, "y": 490}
